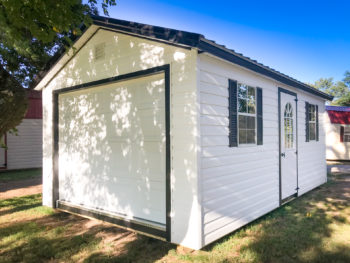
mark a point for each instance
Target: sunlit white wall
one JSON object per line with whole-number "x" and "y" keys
{"x": 125, "y": 54}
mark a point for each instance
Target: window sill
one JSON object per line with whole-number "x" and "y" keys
{"x": 247, "y": 145}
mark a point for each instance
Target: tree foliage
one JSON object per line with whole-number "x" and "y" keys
{"x": 340, "y": 89}
{"x": 13, "y": 99}
{"x": 31, "y": 32}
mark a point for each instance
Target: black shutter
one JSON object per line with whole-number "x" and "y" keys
{"x": 232, "y": 112}
{"x": 259, "y": 115}
{"x": 317, "y": 123}
{"x": 307, "y": 120}
{"x": 341, "y": 133}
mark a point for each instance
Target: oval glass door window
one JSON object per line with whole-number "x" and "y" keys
{"x": 288, "y": 126}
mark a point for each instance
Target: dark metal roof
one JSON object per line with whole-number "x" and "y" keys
{"x": 338, "y": 108}
{"x": 194, "y": 40}
{"x": 339, "y": 117}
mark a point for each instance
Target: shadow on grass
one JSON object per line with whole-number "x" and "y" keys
{"x": 17, "y": 209}
{"x": 18, "y": 184}
{"x": 18, "y": 204}
{"x": 43, "y": 244}
{"x": 308, "y": 229}
{"x": 142, "y": 249}
{"x": 22, "y": 174}
{"x": 64, "y": 237}
{"x": 301, "y": 231}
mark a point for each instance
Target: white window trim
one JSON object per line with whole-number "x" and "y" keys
{"x": 246, "y": 114}
{"x": 346, "y": 133}
{"x": 312, "y": 122}
{"x": 291, "y": 120}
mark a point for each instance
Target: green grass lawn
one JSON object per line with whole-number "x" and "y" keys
{"x": 312, "y": 228}
{"x": 6, "y": 176}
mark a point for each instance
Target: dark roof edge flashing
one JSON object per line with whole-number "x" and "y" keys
{"x": 161, "y": 33}
{"x": 231, "y": 56}
{"x": 189, "y": 40}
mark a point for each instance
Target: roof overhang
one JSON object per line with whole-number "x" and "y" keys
{"x": 60, "y": 59}
{"x": 231, "y": 56}
{"x": 173, "y": 37}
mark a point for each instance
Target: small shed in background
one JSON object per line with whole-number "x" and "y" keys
{"x": 338, "y": 133}
{"x": 24, "y": 150}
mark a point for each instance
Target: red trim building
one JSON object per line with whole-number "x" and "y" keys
{"x": 35, "y": 110}
{"x": 338, "y": 133}
{"x": 25, "y": 149}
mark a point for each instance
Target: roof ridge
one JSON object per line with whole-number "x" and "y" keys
{"x": 189, "y": 40}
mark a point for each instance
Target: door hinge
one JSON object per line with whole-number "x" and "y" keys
{"x": 296, "y": 100}
{"x": 283, "y": 154}
{"x": 297, "y": 188}
{"x": 296, "y": 152}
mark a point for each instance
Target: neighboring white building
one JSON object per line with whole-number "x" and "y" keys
{"x": 173, "y": 135}
{"x": 24, "y": 150}
{"x": 338, "y": 133}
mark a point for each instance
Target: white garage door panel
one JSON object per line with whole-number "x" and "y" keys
{"x": 112, "y": 148}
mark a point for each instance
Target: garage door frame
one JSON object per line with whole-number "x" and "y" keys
{"x": 132, "y": 224}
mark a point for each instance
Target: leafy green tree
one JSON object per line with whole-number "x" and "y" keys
{"x": 31, "y": 32}
{"x": 336, "y": 89}
{"x": 12, "y": 100}
{"x": 343, "y": 101}
{"x": 346, "y": 79}
{"x": 340, "y": 89}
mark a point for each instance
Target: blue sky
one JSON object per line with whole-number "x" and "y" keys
{"x": 304, "y": 39}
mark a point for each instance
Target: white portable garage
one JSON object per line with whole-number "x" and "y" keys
{"x": 170, "y": 134}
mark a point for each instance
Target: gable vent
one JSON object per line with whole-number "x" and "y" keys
{"x": 100, "y": 51}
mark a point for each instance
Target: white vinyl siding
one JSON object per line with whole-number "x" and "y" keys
{"x": 125, "y": 54}
{"x": 240, "y": 184}
{"x": 311, "y": 155}
{"x": 25, "y": 150}
{"x": 335, "y": 149}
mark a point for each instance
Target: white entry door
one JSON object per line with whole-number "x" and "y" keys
{"x": 289, "y": 181}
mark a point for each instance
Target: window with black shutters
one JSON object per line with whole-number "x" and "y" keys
{"x": 245, "y": 114}
{"x": 311, "y": 121}
{"x": 345, "y": 133}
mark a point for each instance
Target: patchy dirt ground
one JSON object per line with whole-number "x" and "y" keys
{"x": 20, "y": 188}
{"x": 312, "y": 228}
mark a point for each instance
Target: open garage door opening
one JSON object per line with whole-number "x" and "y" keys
{"x": 112, "y": 150}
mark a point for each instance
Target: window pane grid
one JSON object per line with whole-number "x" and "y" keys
{"x": 246, "y": 114}
{"x": 288, "y": 126}
{"x": 312, "y": 122}
{"x": 346, "y": 137}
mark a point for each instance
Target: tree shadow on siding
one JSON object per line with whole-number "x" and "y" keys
{"x": 87, "y": 143}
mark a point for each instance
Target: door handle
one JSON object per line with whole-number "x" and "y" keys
{"x": 283, "y": 154}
